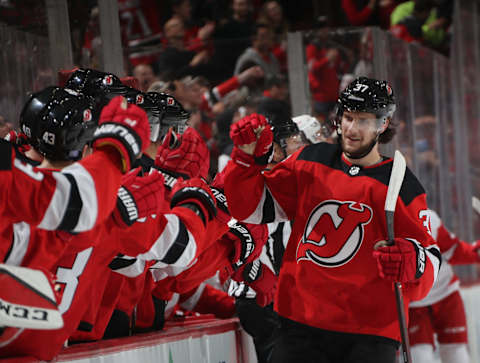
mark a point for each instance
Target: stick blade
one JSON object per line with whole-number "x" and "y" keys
{"x": 396, "y": 179}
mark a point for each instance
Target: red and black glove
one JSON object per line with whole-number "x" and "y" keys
{"x": 125, "y": 127}
{"x": 190, "y": 159}
{"x": 261, "y": 279}
{"x": 196, "y": 195}
{"x": 139, "y": 197}
{"x": 403, "y": 261}
{"x": 245, "y": 132}
{"x": 247, "y": 241}
{"x": 19, "y": 139}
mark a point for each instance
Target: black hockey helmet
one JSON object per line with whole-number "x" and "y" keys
{"x": 149, "y": 105}
{"x": 366, "y": 95}
{"x": 90, "y": 82}
{"x": 282, "y": 128}
{"x": 66, "y": 123}
{"x": 168, "y": 113}
{"x": 29, "y": 117}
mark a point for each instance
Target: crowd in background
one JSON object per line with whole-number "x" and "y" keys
{"x": 223, "y": 59}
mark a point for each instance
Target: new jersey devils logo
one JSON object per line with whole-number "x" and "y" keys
{"x": 334, "y": 232}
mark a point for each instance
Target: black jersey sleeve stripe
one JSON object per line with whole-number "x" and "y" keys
{"x": 74, "y": 207}
{"x": 120, "y": 262}
{"x": 178, "y": 247}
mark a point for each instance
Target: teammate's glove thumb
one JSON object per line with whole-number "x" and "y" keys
{"x": 139, "y": 197}
{"x": 403, "y": 261}
{"x": 125, "y": 127}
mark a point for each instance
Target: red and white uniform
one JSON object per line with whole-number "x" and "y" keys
{"x": 442, "y": 312}
{"x": 75, "y": 199}
{"x": 175, "y": 238}
{"x": 328, "y": 276}
{"x": 454, "y": 251}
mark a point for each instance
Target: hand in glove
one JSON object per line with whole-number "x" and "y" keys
{"x": 253, "y": 140}
{"x": 139, "y": 197}
{"x": 125, "y": 127}
{"x": 190, "y": 159}
{"x": 403, "y": 261}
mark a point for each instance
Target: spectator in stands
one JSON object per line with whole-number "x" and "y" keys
{"x": 274, "y": 103}
{"x": 141, "y": 29}
{"x": 145, "y": 76}
{"x": 182, "y": 9}
{"x": 322, "y": 74}
{"x": 422, "y": 21}
{"x": 260, "y": 53}
{"x": 369, "y": 12}
{"x": 272, "y": 15}
{"x": 175, "y": 56}
{"x": 233, "y": 35}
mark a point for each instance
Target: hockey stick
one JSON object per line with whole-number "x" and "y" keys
{"x": 394, "y": 185}
{"x": 476, "y": 204}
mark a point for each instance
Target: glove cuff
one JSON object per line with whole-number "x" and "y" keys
{"x": 126, "y": 212}
{"x": 421, "y": 258}
{"x": 245, "y": 160}
{"x": 198, "y": 197}
{"x": 122, "y": 138}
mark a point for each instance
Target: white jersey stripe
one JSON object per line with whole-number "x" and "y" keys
{"x": 21, "y": 240}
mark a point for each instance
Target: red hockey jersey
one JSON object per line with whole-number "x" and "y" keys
{"x": 329, "y": 278}
{"x": 75, "y": 199}
{"x": 172, "y": 238}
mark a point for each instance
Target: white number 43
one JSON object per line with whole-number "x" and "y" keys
{"x": 49, "y": 138}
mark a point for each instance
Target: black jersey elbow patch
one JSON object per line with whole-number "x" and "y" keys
{"x": 74, "y": 206}
{"x": 178, "y": 247}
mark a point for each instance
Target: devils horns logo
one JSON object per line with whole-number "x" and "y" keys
{"x": 334, "y": 232}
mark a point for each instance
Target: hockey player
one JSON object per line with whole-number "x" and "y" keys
{"x": 335, "y": 299}
{"x": 442, "y": 312}
{"x": 86, "y": 190}
{"x": 89, "y": 254}
{"x": 312, "y": 129}
{"x": 260, "y": 322}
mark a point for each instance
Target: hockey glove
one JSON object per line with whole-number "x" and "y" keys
{"x": 139, "y": 197}
{"x": 19, "y": 139}
{"x": 191, "y": 159}
{"x": 194, "y": 194}
{"x": 253, "y": 140}
{"x": 247, "y": 241}
{"x": 125, "y": 127}
{"x": 404, "y": 261}
{"x": 260, "y": 278}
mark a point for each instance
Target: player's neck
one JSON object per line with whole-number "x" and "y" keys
{"x": 58, "y": 165}
{"x": 372, "y": 158}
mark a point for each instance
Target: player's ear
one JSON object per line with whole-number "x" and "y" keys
{"x": 385, "y": 124}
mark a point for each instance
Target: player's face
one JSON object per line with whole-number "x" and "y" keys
{"x": 359, "y": 130}
{"x": 293, "y": 143}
